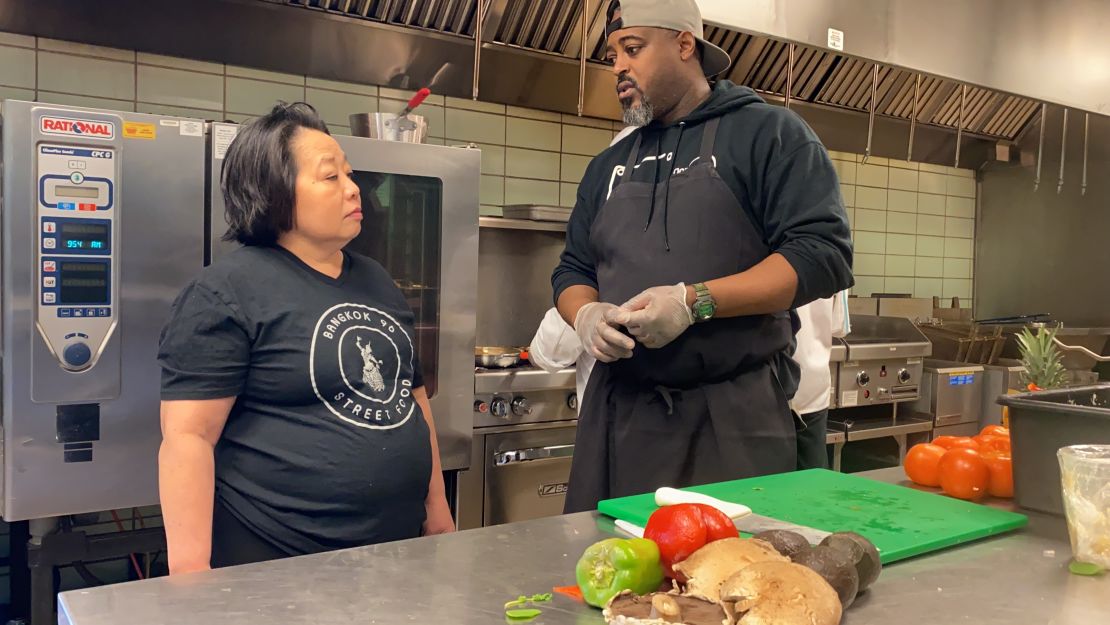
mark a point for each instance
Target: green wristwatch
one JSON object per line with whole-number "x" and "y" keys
{"x": 704, "y": 306}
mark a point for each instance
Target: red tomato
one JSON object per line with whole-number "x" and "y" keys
{"x": 921, "y": 464}
{"x": 995, "y": 430}
{"x": 944, "y": 441}
{"x": 956, "y": 442}
{"x": 964, "y": 474}
{"x": 1001, "y": 467}
{"x": 992, "y": 442}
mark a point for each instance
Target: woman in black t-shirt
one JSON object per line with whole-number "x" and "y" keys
{"x": 294, "y": 414}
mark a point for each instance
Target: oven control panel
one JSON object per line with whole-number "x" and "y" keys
{"x": 76, "y": 247}
{"x": 523, "y": 407}
{"x": 867, "y": 383}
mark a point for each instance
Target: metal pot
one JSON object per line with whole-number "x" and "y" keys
{"x": 496, "y": 357}
{"x": 389, "y": 126}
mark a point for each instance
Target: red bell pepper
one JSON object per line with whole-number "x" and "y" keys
{"x": 682, "y": 529}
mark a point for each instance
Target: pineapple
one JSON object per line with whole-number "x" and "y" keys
{"x": 1044, "y": 368}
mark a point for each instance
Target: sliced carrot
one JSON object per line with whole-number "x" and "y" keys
{"x": 574, "y": 592}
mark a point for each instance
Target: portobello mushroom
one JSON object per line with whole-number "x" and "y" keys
{"x": 780, "y": 593}
{"x": 708, "y": 567}
{"x": 661, "y": 608}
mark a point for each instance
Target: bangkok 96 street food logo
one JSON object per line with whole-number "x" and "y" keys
{"x": 360, "y": 362}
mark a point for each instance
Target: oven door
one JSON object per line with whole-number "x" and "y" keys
{"x": 526, "y": 473}
{"x": 420, "y": 221}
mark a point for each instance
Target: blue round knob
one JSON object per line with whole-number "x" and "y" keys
{"x": 77, "y": 354}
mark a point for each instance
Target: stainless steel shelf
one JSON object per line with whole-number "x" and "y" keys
{"x": 521, "y": 224}
{"x": 861, "y": 431}
{"x": 522, "y": 379}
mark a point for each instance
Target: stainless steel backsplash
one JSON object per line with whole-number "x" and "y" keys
{"x": 514, "y": 283}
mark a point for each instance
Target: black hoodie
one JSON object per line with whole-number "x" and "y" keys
{"x": 774, "y": 164}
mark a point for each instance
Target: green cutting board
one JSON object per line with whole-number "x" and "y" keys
{"x": 902, "y": 522}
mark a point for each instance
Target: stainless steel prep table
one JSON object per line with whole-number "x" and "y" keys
{"x": 1019, "y": 577}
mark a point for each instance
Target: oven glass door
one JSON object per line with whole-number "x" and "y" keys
{"x": 401, "y": 229}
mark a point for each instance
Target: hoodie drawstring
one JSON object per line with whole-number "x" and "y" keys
{"x": 666, "y": 185}
{"x": 667, "y": 189}
{"x": 654, "y": 181}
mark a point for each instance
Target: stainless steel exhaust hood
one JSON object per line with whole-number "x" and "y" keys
{"x": 1052, "y": 51}
{"x": 820, "y": 76}
{"x": 530, "y": 54}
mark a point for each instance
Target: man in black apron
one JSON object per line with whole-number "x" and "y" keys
{"x": 690, "y": 243}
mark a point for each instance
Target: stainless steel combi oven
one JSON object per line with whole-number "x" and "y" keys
{"x": 107, "y": 215}
{"x": 103, "y": 224}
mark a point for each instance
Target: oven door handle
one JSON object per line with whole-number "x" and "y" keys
{"x": 518, "y": 456}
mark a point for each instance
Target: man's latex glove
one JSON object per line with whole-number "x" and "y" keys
{"x": 658, "y": 315}
{"x": 597, "y": 325}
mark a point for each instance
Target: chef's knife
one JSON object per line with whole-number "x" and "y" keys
{"x": 756, "y": 523}
{"x": 750, "y": 524}
{"x": 742, "y": 516}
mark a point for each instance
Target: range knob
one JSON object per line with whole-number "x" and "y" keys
{"x": 863, "y": 378}
{"x": 572, "y": 401}
{"x": 904, "y": 375}
{"x": 499, "y": 408}
{"x": 521, "y": 407}
{"x": 76, "y": 355}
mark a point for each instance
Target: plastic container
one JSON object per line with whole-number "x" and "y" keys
{"x": 1043, "y": 422}
{"x": 1085, "y": 484}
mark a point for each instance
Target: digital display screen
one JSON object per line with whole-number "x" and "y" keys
{"x": 83, "y": 283}
{"x": 94, "y": 236}
{"x": 76, "y": 192}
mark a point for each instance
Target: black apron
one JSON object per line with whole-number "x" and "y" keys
{"x": 708, "y": 407}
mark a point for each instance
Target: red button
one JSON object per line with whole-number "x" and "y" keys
{"x": 86, "y": 207}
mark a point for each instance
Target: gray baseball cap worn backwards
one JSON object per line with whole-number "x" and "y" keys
{"x": 678, "y": 15}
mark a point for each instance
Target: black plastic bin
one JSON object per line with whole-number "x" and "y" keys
{"x": 1041, "y": 423}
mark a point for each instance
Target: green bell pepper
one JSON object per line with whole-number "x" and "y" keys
{"x": 614, "y": 565}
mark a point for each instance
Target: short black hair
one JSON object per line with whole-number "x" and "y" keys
{"x": 259, "y": 174}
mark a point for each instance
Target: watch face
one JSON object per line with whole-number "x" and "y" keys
{"x": 704, "y": 306}
{"x": 704, "y": 310}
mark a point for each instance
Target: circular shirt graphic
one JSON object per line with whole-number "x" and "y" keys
{"x": 361, "y": 365}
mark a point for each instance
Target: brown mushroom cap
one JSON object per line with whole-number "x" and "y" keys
{"x": 781, "y": 593}
{"x": 631, "y": 609}
{"x": 707, "y": 568}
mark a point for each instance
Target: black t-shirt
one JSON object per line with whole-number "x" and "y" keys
{"x": 325, "y": 447}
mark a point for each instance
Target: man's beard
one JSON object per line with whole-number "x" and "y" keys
{"x": 640, "y": 115}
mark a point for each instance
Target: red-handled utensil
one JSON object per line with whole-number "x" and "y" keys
{"x": 416, "y": 101}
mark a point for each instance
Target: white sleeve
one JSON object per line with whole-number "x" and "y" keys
{"x": 841, "y": 322}
{"x": 555, "y": 345}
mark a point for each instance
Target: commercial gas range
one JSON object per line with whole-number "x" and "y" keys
{"x": 882, "y": 362}
{"x": 876, "y": 370}
{"x": 524, "y": 425}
